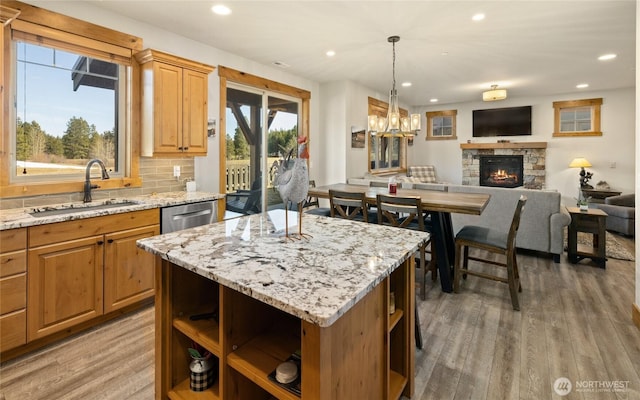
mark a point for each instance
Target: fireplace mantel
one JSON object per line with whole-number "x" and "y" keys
{"x": 509, "y": 145}
{"x": 534, "y": 155}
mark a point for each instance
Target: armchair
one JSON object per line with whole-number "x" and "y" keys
{"x": 621, "y": 213}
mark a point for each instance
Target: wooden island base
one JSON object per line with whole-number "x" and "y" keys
{"x": 366, "y": 354}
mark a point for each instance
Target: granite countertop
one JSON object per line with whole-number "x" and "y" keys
{"x": 21, "y": 217}
{"x": 316, "y": 279}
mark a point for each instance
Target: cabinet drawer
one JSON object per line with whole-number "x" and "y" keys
{"x": 81, "y": 228}
{"x": 13, "y": 330}
{"x": 13, "y": 293}
{"x": 13, "y": 239}
{"x": 13, "y": 263}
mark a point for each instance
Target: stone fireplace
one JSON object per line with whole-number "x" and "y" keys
{"x": 533, "y": 155}
{"x": 501, "y": 170}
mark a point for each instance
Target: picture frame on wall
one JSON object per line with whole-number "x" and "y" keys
{"x": 357, "y": 138}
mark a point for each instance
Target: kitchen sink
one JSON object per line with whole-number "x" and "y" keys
{"x": 81, "y": 207}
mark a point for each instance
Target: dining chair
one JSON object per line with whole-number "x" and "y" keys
{"x": 312, "y": 204}
{"x": 348, "y": 205}
{"x": 407, "y": 212}
{"x": 494, "y": 241}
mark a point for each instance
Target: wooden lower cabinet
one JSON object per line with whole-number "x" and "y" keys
{"x": 366, "y": 354}
{"x": 128, "y": 270}
{"x": 13, "y": 288}
{"x": 74, "y": 273}
{"x": 65, "y": 285}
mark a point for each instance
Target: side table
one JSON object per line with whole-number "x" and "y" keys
{"x": 592, "y": 221}
{"x": 597, "y": 195}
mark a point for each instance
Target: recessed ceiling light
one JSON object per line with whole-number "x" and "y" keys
{"x": 606, "y": 57}
{"x": 478, "y": 17}
{"x": 406, "y": 84}
{"x": 221, "y": 9}
{"x": 434, "y": 100}
{"x": 582, "y": 85}
{"x": 331, "y": 53}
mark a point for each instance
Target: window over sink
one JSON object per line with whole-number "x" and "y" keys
{"x": 69, "y": 108}
{"x": 68, "y": 98}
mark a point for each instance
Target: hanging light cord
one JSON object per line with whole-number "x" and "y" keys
{"x": 394, "y": 67}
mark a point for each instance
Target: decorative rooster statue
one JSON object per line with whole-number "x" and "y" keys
{"x": 292, "y": 183}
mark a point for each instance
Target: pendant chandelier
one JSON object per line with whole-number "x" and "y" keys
{"x": 394, "y": 124}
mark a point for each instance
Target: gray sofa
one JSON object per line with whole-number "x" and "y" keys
{"x": 541, "y": 225}
{"x": 621, "y": 212}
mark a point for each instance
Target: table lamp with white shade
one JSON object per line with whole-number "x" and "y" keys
{"x": 582, "y": 163}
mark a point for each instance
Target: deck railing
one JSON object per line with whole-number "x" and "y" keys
{"x": 239, "y": 175}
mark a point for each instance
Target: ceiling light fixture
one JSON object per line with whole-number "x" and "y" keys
{"x": 331, "y": 53}
{"x": 478, "y": 17}
{"x": 606, "y": 57}
{"x": 494, "y": 94}
{"x": 221, "y": 9}
{"x": 582, "y": 85}
{"x": 393, "y": 124}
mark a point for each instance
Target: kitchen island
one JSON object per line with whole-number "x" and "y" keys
{"x": 264, "y": 298}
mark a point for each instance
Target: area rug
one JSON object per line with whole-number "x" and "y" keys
{"x": 614, "y": 248}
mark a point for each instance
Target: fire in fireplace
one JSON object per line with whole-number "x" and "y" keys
{"x": 501, "y": 170}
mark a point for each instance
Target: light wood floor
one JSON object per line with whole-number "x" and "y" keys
{"x": 575, "y": 323}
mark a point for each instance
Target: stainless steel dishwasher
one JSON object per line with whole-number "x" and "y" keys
{"x": 175, "y": 218}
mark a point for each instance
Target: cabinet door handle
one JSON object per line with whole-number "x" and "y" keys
{"x": 100, "y": 242}
{"x": 110, "y": 241}
{"x": 185, "y": 148}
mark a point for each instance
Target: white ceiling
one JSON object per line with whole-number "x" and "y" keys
{"x": 530, "y": 48}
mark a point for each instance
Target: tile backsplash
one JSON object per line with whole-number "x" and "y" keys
{"x": 157, "y": 177}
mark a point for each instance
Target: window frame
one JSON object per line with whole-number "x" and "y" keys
{"x": 431, "y": 115}
{"x": 94, "y": 40}
{"x": 593, "y": 104}
{"x": 379, "y": 108}
{"x": 123, "y": 129}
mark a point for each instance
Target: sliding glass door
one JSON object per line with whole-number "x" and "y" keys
{"x": 255, "y": 117}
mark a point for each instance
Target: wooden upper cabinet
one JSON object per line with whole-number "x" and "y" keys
{"x": 174, "y": 105}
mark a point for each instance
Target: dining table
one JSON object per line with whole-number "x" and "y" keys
{"x": 439, "y": 204}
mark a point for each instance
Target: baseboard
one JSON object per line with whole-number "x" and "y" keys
{"x": 635, "y": 315}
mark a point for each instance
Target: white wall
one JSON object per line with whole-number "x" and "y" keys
{"x": 331, "y": 163}
{"x": 615, "y": 145}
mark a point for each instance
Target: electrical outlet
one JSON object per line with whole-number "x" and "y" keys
{"x": 612, "y": 164}
{"x": 176, "y": 171}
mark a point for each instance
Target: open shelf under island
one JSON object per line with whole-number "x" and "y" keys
{"x": 260, "y": 298}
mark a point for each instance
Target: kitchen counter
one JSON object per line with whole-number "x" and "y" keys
{"x": 21, "y": 217}
{"x": 316, "y": 280}
{"x": 343, "y": 299}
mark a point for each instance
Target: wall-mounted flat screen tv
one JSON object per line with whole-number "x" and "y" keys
{"x": 511, "y": 121}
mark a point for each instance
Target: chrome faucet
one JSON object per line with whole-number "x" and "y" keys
{"x": 87, "y": 182}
